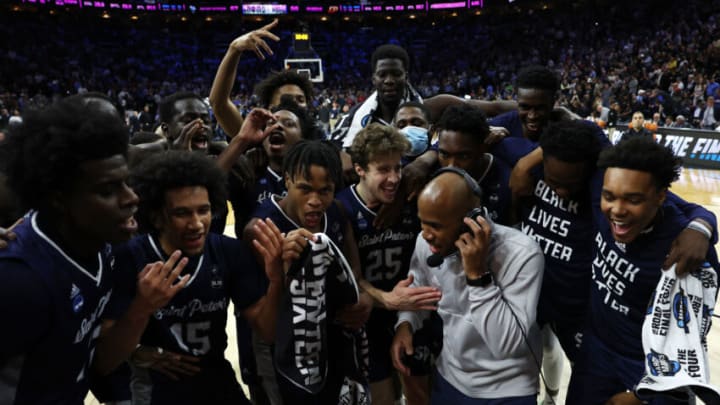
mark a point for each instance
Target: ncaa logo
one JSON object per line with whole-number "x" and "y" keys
{"x": 365, "y": 120}
{"x": 77, "y": 303}
{"x": 362, "y": 223}
{"x": 661, "y": 365}
{"x": 681, "y": 311}
{"x": 215, "y": 281}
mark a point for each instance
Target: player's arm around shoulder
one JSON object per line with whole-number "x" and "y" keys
{"x": 691, "y": 246}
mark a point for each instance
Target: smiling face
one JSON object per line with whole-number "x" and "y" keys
{"x": 308, "y": 197}
{"x": 379, "y": 182}
{"x": 98, "y": 204}
{"x": 630, "y": 201}
{"x": 184, "y": 221}
{"x": 389, "y": 80}
{"x": 283, "y": 131}
{"x": 534, "y": 108}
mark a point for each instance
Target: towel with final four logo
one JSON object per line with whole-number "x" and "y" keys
{"x": 308, "y": 338}
{"x": 674, "y": 337}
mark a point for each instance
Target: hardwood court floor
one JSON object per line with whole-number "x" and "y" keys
{"x": 696, "y": 185}
{"x": 702, "y": 186}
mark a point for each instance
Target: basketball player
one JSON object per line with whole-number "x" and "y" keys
{"x": 178, "y": 192}
{"x": 68, "y": 164}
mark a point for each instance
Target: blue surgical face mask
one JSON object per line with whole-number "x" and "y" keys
{"x": 418, "y": 138}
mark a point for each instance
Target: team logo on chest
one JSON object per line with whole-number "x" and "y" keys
{"x": 215, "y": 278}
{"x": 335, "y": 227}
{"x": 76, "y": 299}
{"x": 362, "y": 223}
{"x": 407, "y": 216}
{"x": 109, "y": 256}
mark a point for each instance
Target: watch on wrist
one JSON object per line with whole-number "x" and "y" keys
{"x": 483, "y": 281}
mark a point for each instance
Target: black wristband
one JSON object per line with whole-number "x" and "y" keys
{"x": 483, "y": 281}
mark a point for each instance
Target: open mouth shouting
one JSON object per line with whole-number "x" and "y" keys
{"x": 621, "y": 229}
{"x": 276, "y": 139}
{"x": 532, "y": 126}
{"x": 313, "y": 220}
{"x": 200, "y": 142}
{"x": 129, "y": 225}
{"x": 126, "y": 228}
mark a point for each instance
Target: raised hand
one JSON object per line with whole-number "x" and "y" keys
{"x": 294, "y": 244}
{"x": 253, "y": 130}
{"x": 194, "y": 131}
{"x": 7, "y": 234}
{"x": 160, "y": 281}
{"x": 255, "y": 40}
{"x": 269, "y": 243}
{"x": 474, "y": 246}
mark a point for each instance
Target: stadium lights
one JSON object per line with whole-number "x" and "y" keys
{"x": 263, "y": 8}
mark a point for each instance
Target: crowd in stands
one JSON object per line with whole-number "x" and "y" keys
{"x": 610, "y": 57}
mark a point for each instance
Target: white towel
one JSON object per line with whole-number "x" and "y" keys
{"x": 674, "y": 337}
{"x": 351, "y": 124}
